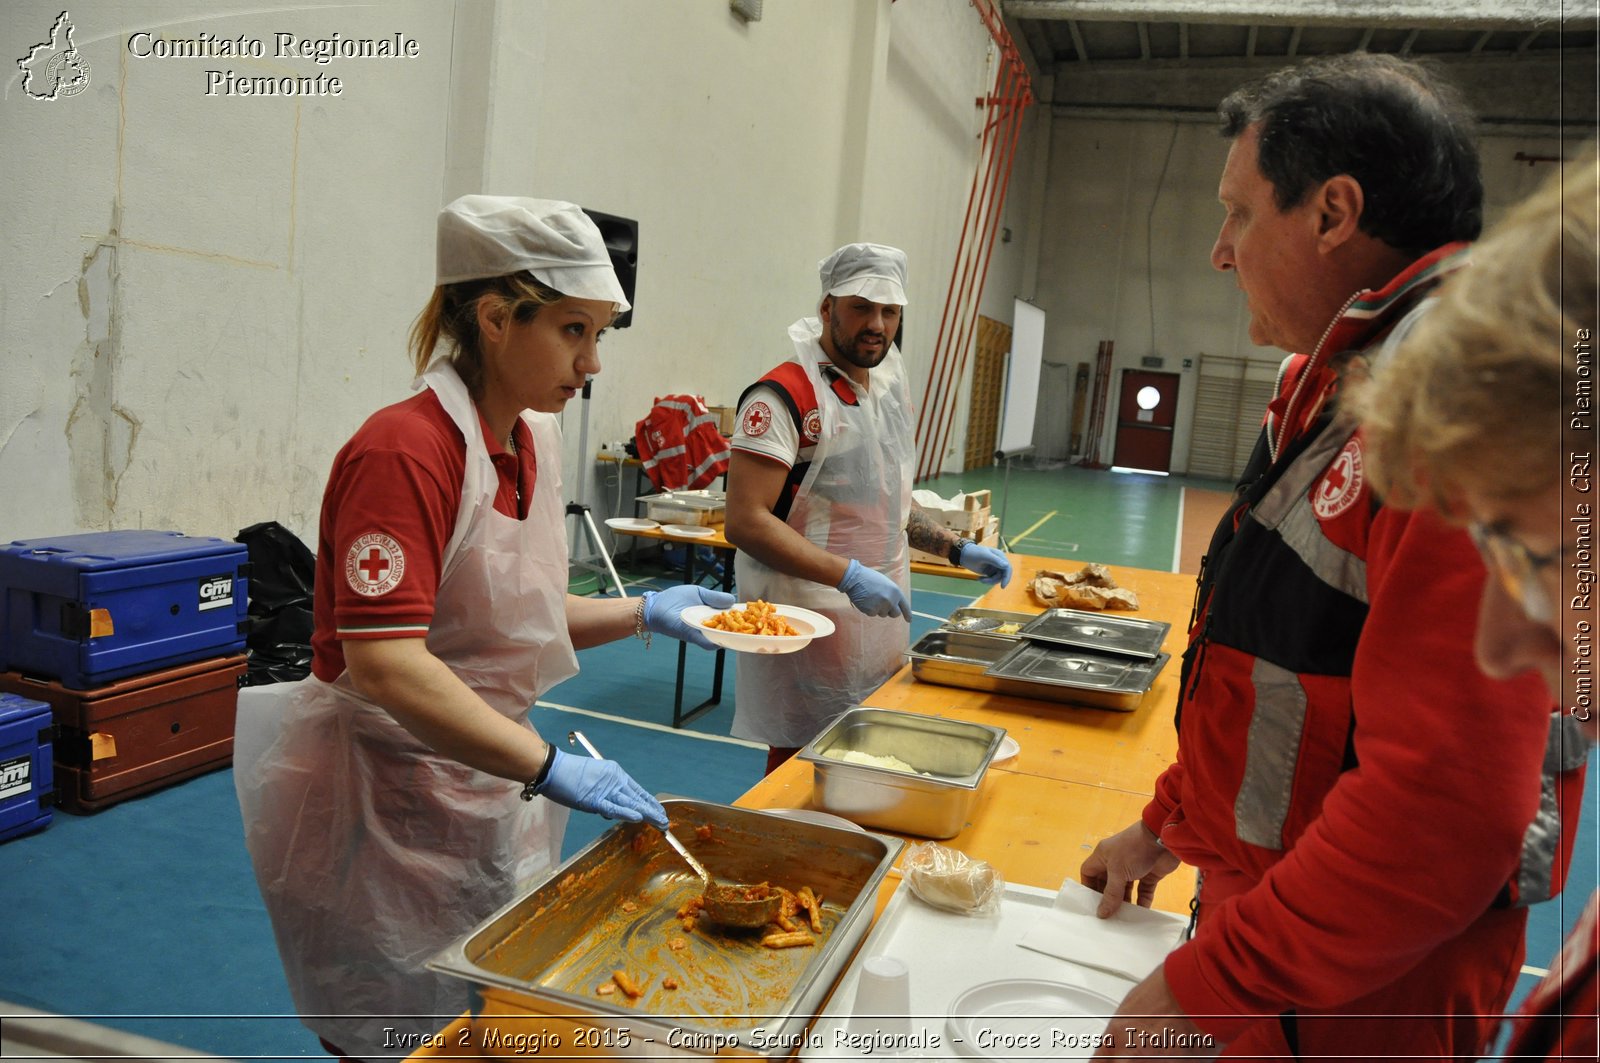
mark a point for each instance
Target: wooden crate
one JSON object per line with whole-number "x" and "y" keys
{"x": 971, "y": 520}
{"x": 990, "y": 536}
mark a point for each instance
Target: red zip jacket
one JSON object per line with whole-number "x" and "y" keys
{"x": 679, "y": 444}
{"x": 1356, "y": 791}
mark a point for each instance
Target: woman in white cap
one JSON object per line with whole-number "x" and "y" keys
{"x": 1481, "y": 413}
{"x": 398, "y": 796}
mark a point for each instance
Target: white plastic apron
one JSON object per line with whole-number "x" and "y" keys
{"x": 372, "y": 852}
{"x": 854, "y": 502}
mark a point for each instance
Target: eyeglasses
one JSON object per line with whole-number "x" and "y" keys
{"x": 1520, "y": 569}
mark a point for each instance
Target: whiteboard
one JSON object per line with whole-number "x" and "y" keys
{"x": 1022, "y": 378}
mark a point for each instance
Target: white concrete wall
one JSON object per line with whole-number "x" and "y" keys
{"x": 922, "y": 147}
{"x": 726, "y": 141}
{"x": 1127, "y": 250}
{"x": 206, "y": 295}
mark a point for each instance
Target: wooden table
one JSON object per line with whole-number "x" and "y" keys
{"x": 1096, "y": 747}
{"x": 933, "y": 568}
{"x": 1081, "y": 774}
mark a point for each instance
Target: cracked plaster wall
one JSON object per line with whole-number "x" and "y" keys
{"x": 207, "y": 295}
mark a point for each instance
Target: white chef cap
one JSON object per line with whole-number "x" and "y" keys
{"x": 871, "y": 271}
{"x": 492, "y": 236}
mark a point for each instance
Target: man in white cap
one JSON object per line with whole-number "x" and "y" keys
{"x": 819, "y": 504}
{"x": 399, "y": 795}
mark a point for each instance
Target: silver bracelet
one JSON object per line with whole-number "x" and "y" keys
{"x": 639, "y": 631}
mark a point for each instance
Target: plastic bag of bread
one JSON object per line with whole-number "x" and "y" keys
{"x": 1091, "y": 587}
{"x": 951, "y": 880}
{"x": 1092, "y": 575}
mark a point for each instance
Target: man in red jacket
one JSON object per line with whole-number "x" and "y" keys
{"x": 1363, "y": 804}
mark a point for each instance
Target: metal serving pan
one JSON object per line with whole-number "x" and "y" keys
{"x": 957, "y": 659}
{"x": 706, "y": 499}
{"x": 954, "y": 657}
{"x": 1103, "y": 680}
{"x": 1100, "y": 632}
{"x": 948, "y": 758}
{"x": 703, "y": 507}
{"x": 996, "y": 622}
{"x": 613, "y": 906}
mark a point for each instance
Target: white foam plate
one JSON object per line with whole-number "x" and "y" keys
{"x": 631, "y": 524}
{"x": 810, "y": 625}
{"x": 1008, "y": 749}
{"x": 689, "y": 531}
{"x": 821, "y": 819}
{"x": 1008, "y": 1018}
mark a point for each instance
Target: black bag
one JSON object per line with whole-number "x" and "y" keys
{"x": 282, "y": 571}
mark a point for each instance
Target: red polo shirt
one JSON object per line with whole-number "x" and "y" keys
{"x": 388, "y": 512}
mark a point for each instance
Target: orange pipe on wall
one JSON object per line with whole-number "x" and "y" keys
{"x": 1010, "y": 97}
{"x": 931, "y": 446}
{"x": 964, "y": 345}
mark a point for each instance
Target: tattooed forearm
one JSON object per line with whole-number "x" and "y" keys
{"x": 927, "y": 535}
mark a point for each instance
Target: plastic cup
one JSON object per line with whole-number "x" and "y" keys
{"x": 883, "y": 998}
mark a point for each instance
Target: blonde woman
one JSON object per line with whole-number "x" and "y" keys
{"x": 1486, "y": 413}
{"x": 397, "y": 797}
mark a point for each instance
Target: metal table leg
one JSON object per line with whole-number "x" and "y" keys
{"x": 679, "y": 717}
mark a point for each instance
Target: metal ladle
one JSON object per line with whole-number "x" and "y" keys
{"x": 726, "y": 904}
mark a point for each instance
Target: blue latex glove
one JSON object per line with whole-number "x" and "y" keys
{"x": 990, "y": 565}
{"x": 874, "y": 593}
{"x": 601, "y": 786}
{"x": 663, "y": 612}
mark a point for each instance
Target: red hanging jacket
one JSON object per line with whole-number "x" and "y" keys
{"x": 680, "y": 445}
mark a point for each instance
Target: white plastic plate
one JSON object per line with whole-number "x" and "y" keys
{"x": 1028, "y": 1018}
{"x": 631, "y": 524}
{"x": 1008, "y": 749}
{"x": 810, "y": 625}
{"x": 689, "y": 531}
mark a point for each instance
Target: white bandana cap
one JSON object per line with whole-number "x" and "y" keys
{"x": 872, "y": 271}
{"x": 493, "y": 236}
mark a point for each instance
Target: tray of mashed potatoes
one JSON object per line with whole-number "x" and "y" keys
{"x": 900, "y": 771}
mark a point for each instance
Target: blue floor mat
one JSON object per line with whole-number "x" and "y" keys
{"x": 145, "y": 917}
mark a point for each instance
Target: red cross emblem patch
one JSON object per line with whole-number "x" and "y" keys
{"x": 757, "y": 419}
{"x": 1340, "y": 486}
{"x": 374, "y": 565}
{"x": 813, "y": 426}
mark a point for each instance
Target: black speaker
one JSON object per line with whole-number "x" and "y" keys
{"x": 622, "y": 242}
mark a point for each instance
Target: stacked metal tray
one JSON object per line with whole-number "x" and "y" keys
{"x": 1065, "y": 655}
{"x": 703, "y": 507}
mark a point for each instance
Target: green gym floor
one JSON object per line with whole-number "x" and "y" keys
{"x": 1084, "y": 514}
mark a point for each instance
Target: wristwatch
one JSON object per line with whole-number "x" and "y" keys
{"x": 954, "y": 556}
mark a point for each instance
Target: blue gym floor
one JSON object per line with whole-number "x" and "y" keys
{"x": 145, "y": 916}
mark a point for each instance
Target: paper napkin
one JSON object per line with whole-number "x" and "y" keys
{"x": 1131, "y": 943}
